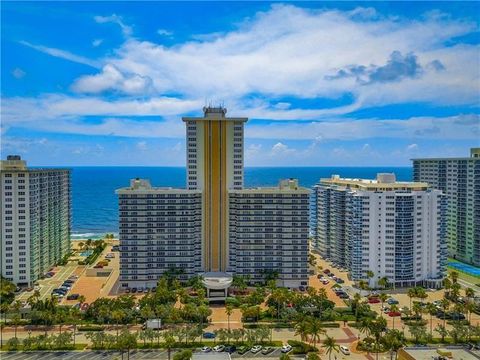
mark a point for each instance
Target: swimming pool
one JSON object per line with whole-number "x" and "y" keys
{"x": 465, "y": 268}
{"x": 86, "y": 253}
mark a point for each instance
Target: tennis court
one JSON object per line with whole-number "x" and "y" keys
{"x": 465, "y": 268}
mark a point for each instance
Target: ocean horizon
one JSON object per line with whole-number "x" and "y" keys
{"x": 95, "y": 204}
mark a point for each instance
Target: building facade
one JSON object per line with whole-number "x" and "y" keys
{"x": 35, "y": 220}
{"x": 160, "y": 231}
{"x": 224, "y": 229}
{"x": 396, "y": 230}
{"x": 459, "y": 179}
{"x": 268, "y": 231}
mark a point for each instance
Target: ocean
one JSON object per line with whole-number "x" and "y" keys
{"x": 94, "y": 203}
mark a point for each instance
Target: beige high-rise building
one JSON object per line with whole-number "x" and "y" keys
{"x": 215, "y": 227}
{"x": 214, "y": 166}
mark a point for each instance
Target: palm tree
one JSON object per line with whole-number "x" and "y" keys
{"x": 393, "y": 341}
{"x": 444, "y": 304}
{"x": 411, "y": 293}
{"x": 431, "y": 310}
{"x": 315, "y": 329}
{"x": 356, "y": 301}
{"x": 393, "y": 308}
{"x": 454, "y": 277}
{"x": 383, "y": 282}
{"x": 383, "y": 297}
{"x": 16, "y": 306}
{"x": 302, "y": 329}
{"x": 330, "y": 345}
{"x": 228, "y": 311}
{"x": 370, "y": 275}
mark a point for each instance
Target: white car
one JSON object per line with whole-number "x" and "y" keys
{"x": 206, "y": 349}
{"x": 286, "y": 348}
{"x": 256, "y": 349}
{"x": 344, "y": 350}
{"x": 219, "y": 348}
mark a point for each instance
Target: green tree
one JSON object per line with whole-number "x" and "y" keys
{"x": 315, "y": 330}
{"x": 168, "y": 341}
{"x": 419, "y": 332}
{"x": 442, "y": 331}
{"x": 383, "y": 282}
{"x": 393, "y": 341}
{"x": 183, "y": 355}
{"x": 431, "y": 310}
{"x": 228, "y": 311}
{"x": 330, "y": 345}
{"x": 383, "y": 297}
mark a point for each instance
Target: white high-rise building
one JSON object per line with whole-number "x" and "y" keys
{"x": 215, "y": 226}
{"x": 395, "y": 229}
{"x": 35, "y": 219}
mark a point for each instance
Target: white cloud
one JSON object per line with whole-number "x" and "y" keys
{"x": 62, "y": 54}
{"x": 97, "y": 42}
{"x": 164, "y": 32}
{"x": 289, "y": 51}
{"x": 142, "y": 146}
{"x": 115, "y": 19}
{"x": 112, "y": 79}
{"x": 412, "y": 147}
{"x": 18, "y": 73}
{"x": 280, "y": 149}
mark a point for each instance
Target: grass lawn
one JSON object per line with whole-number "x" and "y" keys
{"x": 470, "y": 279}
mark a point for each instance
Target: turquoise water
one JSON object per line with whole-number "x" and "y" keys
{"x": 468, "y": 269}
{"x": 94, "y": 203}
{"x": 86, "y": 253}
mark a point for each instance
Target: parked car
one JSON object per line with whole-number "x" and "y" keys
{"x": 219, "y": 348}
{"x": 301, "y": 288}
{"x": 154, "y": 289}
{"x": 140, "y": 290}
{"x": 392, "y": 301}
{"x": 319, "y": 276}
{"x": 326, "y": 271}
{"x": 84, "y": 307}
{"x": 206, "y": 349}
{"x": 208, "y": 335}
{"x": 267, "y": 350}
{"x": 457, "y": 316}
{"x": 230, "y": 349}
{"x": 134, "y": 290}
{"x": 256, "y": 349}
{"x": 344, "y": 350}
{"x": 374, "y": 300}
{"x": 394, "y": 313}
{"x": 242, "y": 350}
{"x": 73, "y": 296}
{"x": 127, "y": 291}
{"x": 286, "y": 348}
{"x": 325, "y": 282}
{"x": 340, "y": 281}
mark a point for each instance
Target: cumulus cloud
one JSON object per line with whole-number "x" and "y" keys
{"x": 115, "y": 19}
{"x": 113, "y": 79}
{"x": 291, "y": 51}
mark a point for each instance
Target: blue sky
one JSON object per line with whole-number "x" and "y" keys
{"x": 323, "y": 83}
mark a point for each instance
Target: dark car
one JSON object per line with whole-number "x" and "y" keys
{"x": 340, "y": 281}
{"x": 243, "y": 350}
{"x": 73, "y": 297}
{"x": 134, "y": 290}
{"x": 457, "y": 316}
{"x": 442, "y": 315}
{"x": 230, "y": 349}
{"x": 208, "y": 335}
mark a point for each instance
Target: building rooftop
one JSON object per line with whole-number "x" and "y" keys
{"x": 429, "y": 353}
{"x": 284, "y": 186}
{"x": 474, "y": 155}
{"x": 384, "y": 182}
{"x": 214, "y": 113}
{"x": 143, "y": 186}
{"x": 15, "y": 163}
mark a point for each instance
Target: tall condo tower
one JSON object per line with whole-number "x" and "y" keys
{"x": 459, "y": 179}
{"x": 34, "y": 221}
{"x": 214, "y": 166}
{"x": 215, "y": 227}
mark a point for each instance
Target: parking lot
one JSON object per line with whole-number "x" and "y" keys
{"x": 102, "y": 355}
